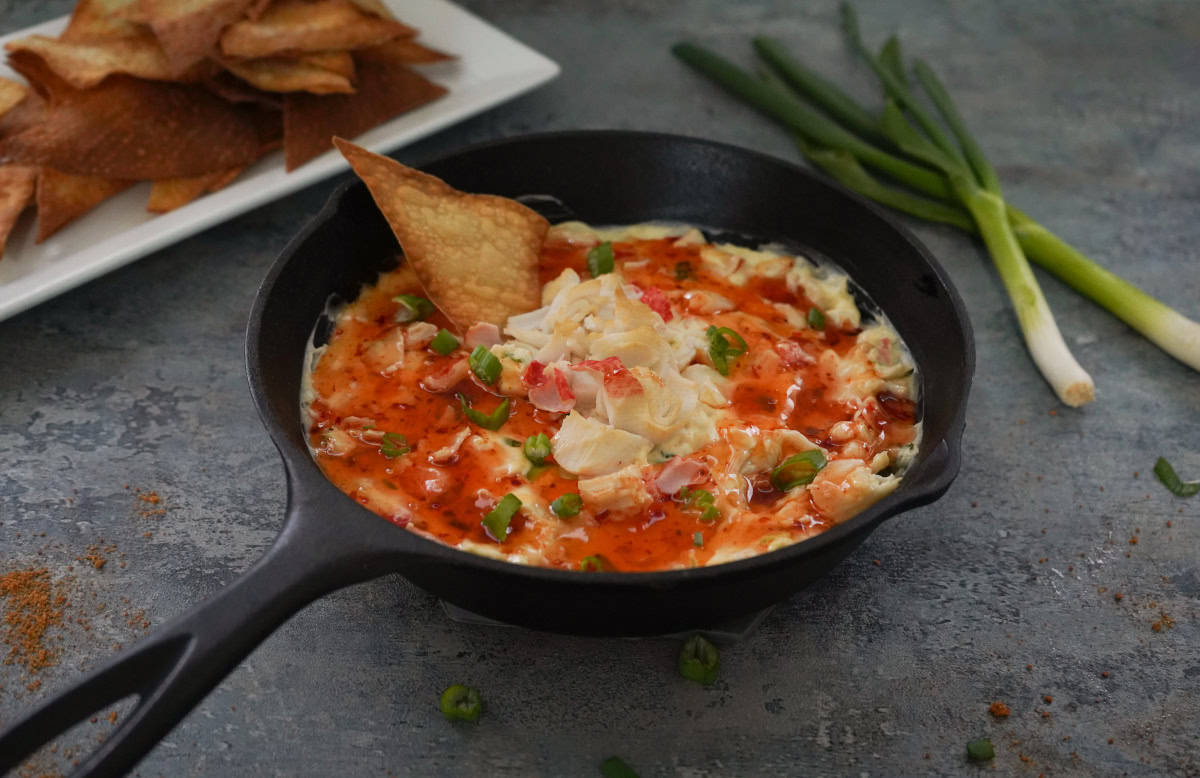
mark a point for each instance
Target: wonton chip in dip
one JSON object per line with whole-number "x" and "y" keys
{"x": 672, "y": 403}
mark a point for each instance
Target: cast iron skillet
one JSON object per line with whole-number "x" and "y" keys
{"x": 329, "y": 541}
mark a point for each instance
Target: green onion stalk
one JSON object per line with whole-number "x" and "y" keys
{"x": 947, "y": 181}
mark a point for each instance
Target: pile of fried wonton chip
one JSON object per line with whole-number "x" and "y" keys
{"x": 188, "y": 93}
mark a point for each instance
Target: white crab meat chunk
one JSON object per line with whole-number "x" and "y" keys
{"x": 845, "y": 487}
{"x": 615, "y": 491}
{"x": 590, "y": 448}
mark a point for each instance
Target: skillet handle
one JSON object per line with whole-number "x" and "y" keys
{"x": 177, "y": 666}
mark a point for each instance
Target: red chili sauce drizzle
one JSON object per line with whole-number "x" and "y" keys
{"x": 447, "y": 501}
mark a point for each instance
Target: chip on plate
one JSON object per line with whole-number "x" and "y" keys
{"x": 171, "y": 193}
{"x": 62, "y": 198}
{"x": 381, "y": 92}
{"x": 282, "y": 74}
{"x": 294, "y": 26}
{"x": 189, "y": 29}
{"x": 475, "y": 254}
{"x": 16, "y": 190}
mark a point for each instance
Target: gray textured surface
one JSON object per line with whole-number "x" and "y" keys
{"x": 1092, "y": 115}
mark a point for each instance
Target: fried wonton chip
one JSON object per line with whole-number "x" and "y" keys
{"x": 86, "y": 63}
{"x": 133, "y": 129}
{"x": 404, "y": 51}
{"x": 62, "y": 198}
{"x": 94, "y": 20}
{"x": 11, "y": 93}
{"x": 381, "y": 92}
{"x": 16, "y": 190}
{"x": 189, "y": 29}
{"x": 339, "y": 62}
{"x": 279, "y": 74}
{"x": 171, "y": 193}
{"x": 476, "y": 255}
{"x": 295, "y": 26}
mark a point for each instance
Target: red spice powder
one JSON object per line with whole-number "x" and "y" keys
{"x": 33, "y": 604}
{"x": 999, "y": 710}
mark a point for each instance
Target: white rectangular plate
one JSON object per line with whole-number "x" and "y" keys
{"x": 490, "y": 68}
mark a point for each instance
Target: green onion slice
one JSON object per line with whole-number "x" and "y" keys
{"x": 702, "y": 501}
{"x": 724, "y": 345}
{"x": 600, "y": 259}
{"x": 567, "y": 505}
{"x": 698, "y": 539}
{"x": 534, "y": 471}
{"x": 683, "y": 271}
{"x": 461, "y": 703}
{"x": 412, "y": 308}
{"x": 615, "y": 767}
{"x": 981, "y": 750}
{"x": 443, "y": 342}
{"x": 393, "y": 445}
{"x": 484, "y": 364}
{"x": 594, "y": 564}
{"x": 699, "y": 660}
{"x": 798, "y": 469}
{"x": 512, "y": 442}
{"x": 489, "y": 421}
{"x": 1166, "y": 474}
{"x": 537, "y": 448}
{"x": 496, "y": 520}
{"x": 816, "y": 319}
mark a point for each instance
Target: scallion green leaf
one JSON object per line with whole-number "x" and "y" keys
{"x": 513, "y": 442}
{"x": 700, "y": 500}
{"x": 534, "y": 471}
{"x": 600, "y": 259}
{"x": 698, "y": 539}
{"x": 412, "y": 308}
{"x": 461, "y": 703}
{"x": 537, "y": 448}
{"x": 699, "y": 660}
{"x": 981, "y": 750}
{"x": 594, "y": 564}
{"x": 567, "y": 505}
{"x": 724, "y": 345}
{"x": 444, "y": 342}
{"x": 496, "y": 520}
{"x": 484, "y": 364}
{"x": 798, "y": 469}
{"x": 615, "y": 767}
{"x": 1166, "y": 474}
{"x": 489, "y": 421}
{"x": 816, "y": 319}
{"x": 393, "y": 444}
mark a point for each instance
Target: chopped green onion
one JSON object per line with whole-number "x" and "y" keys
{"x": 484, "y": 364}
{"x": 594, "y": 564}
{"x": 512, "y": 442}
{"x": 537, "y": 448}
{"x": 1166, "y": 474}
{"x": 615, "y": 767}
{"x": 699, "y": 660}
{"x": 701, "y": 500}
{"x": 698, "y": 539}
{"x": 443, "y": 342}
{"x": 393, "y": 445}
{"x": 461, "y": 703}
{"x": 489, "y": 421}
{"x": 683, "y": 271}
{"x": 816, "y": 319}
{"x": 798, "y": 469}
{"x": 600, "y": 259}
{"x": 724, "y": 345}
{"x": 567, "y": 505}
{"x": 389, "y": 484}
{"x": 981, "y": 750}
{"x": 534, "y": 471}
{"x": 496, "y": 520}
{"x": 412, "y": 308}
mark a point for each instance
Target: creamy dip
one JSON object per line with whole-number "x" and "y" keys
{"x": 700, "y": 404}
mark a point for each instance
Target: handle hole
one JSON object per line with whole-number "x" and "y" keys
{"x": 63, "y": 754}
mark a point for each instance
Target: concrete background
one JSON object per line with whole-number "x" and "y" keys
{"x": 1003, "y": 590}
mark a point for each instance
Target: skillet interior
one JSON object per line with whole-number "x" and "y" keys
{"x": 619, "y": 178}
